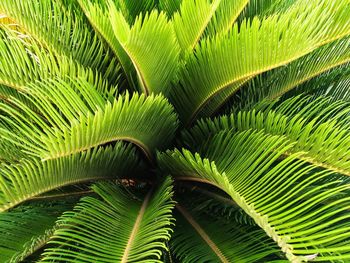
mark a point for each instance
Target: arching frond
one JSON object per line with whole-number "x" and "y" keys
{"x": 225, "y": 16}
{"x": 169, "y": 6}
{"x": 23, "y": 61}
{"x": 277, "y": 82}
{"x": 132, "y": 9}
{"x": 318, "y": 128}
{"x": 304, "y": 211}
{"x": 27, "y": 228}
{"x": 115, "y": 227}
{"x": 77, "y": 118}
{"x": 256, "y": 47}
{"x": 332, "y": 83}
{"x": 339, "y": 91}
{"x": 22, "y": 181}
{"x": 191, "y": 21}
{"x": 209, "y": 202}
{"x": 152, "y": 47}
{"x": 10, "y": 153}
{"x": 98, "y": 15}
{"x": 6, "y": 93}
{"x": 263, "y": 8}
{"x": 199, "y": 238}
{"x": 42, "y": 19}
{"x": 216, "y": 102}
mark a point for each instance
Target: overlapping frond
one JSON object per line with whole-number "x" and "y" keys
{"x": 169, "y": 6}
{"x": 63, "y": 32}
{"x": 115, "y": 227}
{"x": 152, "y": 47}
{"x": 9, "y": 153}
{"x": 191, "y": 21}
{"x": 277, "y": 82}
{"x": 132, "y": 9}
{"x": 98, "y": 15}
{"x": 225, "y": 16}
{"x": 200, "y": 238}
{"x": 264, "y": 8}
{"x": 331, "y": 83}
{"x": 28, "y": 178}
{"x": 305, "y": 211}
{"x": 255, "y": 47}
{"x": 27, "y": 228}
{"x": 77, "y": 118}
{"x": 318, "y": 127}
{"x": 212, "y": 202}
{"x": 24, "y": 61}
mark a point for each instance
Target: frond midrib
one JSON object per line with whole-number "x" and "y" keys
{"x": 233, "y": 20}
{"x": 261, "y": 220}
{"x": 240, "y": 78}
{"x": 138, "y": 143}
{"x": 254, "y": 73}
{"x": 302, "y": 80}
{"x": 202, "y": 233}
{"x": 136, "y": 227}
{"x": 30, "y": 196}
{"x": 214, "y": 7}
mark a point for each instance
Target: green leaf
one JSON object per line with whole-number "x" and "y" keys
{"x": 152, "y": 47}
{"x": 169, "y": 6}
{"x": 42, "y": 19}
{"x": 199, "y": 238}
{"x": 132, "y": 9}
{"x": 98, "y": 15}
{"x": 114, "y": 227}
{"x": 318, "y": 128}
{"x": 191, "y": 21}
{"x": 29, "y": 178}
{"x": 27, "y": 228}
{"x": 333, "y": 83}
{"x": 263, "y": 8}
{"x": 225, "y": 16}
{"x": 24, "y": 61}
{"x": 304, "y": 211}
{"x": 275, "y": 83}
{"x": 78, "y": 119}
{"x": 255, "y": 47}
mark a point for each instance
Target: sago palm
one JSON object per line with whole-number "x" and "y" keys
{"x": 174, "y": 130}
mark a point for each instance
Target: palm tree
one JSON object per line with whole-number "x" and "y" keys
{"x": 174, "y": 130}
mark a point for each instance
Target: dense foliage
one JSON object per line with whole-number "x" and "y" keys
{"x": 174, "y": 131}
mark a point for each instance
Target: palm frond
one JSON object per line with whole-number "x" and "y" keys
{"x": 318, "y": 128}
{"x": 132, "y": 9}
{"x": 24, "y": 61}
{"x": 77, "y": 118}
{"x": 191, "y": 21}
{"x": 277, "y": 82}
{"x": 98, "y": 15}
{"x": 10, "y": 153}
{"x": 28, "y": 178}
{"x": 256, "y": 47}
{"x": 199, "y": 238}
{"x": 339, "y": 90}
{"x": 209, "y": 202}
{"x": 152, "y": 47}
{"x": 42, "y": 19}
{"x": 6, "y": 93}
{"x": 225, "y": 16}
{"x": 332, "y": 83}
{"x": 114, "y": 227}
{"x": 263, "y": 8}
{"x": 26, "y": 228}
{"x": 169, "y": 6}
{"x": 304, "y": 211}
